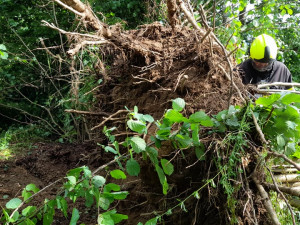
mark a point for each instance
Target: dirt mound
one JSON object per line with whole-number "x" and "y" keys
{"x": 153, "y": 65}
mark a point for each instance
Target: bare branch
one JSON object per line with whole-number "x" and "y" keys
{"x": 75, "y": 50}
{"x": 109, "y": 118}
{"x": 266, "y": 201}
{"x": 86, "y": 112}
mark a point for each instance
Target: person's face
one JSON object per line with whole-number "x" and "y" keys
{"x": 260, "y": 66}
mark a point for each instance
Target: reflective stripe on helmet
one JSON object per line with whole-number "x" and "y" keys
{"x": 263, "y": 48}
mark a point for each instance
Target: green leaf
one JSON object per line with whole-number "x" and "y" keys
{"x": 119, "y": 195}
{"x": 75, "y": 217}
{"x": 153, "y": 221}
{"x": 280, "y": 141}
{"x": 255, "y": 23}
{"x": 289, "y": 98}
{"x": 32, "y": 187}
{"x": 110, "y": 149}
{"x": 138, "y": 144}
{"x": 152, "y": 152}
{"x": 72, "y": 179}
{"x": 64, "y": 207}
{"x": 29, "y": 222}
{"x": 28, "y": 210}
{"x": 199, "y": 151}
{"x": 15, "y": 217}
{"x": 267, "y": 101}
{"x": 2, "y": 47}
{"x": 76, "y": 172}
{"x": 162, "y": 179}
{"x": 118, "y": 174}
{"x": 178, "y": 104}
{"x": 167, "y": 166}
{"x": 111, "y": 187}
{"x": 174, "y": 116}
{"x": 98, "y": 181}
{"x": 184, "y": 141}
{"x": 290, "y": 11}
{"x": 148, "y": 118}
{"x": 117, "y": 218}
{"x": 136, "y": 126}
{"x": 104, "y": 203}
{"x": 133, "y": 167}
{"x": 105, "y": 220}
{"x": 202, "y": 118}
{"x": 13, "y": 203}
{"x": 26, "y": 195}
{"x": 195, "y": 134}
{"x": 3, "y": 55}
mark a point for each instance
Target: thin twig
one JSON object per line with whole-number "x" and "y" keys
{"x": 86, "y": 112}
{"x": 258, "y": 129}
{"x": 75, "y": 50}
{"x": 230, "y": 53}
{"x": 109, "y": 118}
{"x": 207, "y": 33}
{"x": 52, "y": 26}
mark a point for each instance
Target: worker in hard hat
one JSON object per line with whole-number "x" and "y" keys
{"x": 262, "y": 66}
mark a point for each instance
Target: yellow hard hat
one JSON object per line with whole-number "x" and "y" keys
{"x": 263, "y": 49}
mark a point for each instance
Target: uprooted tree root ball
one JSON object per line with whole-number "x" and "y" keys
{"x": 209, "y": 175}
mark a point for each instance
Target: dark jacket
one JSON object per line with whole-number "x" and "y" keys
{"x": 278, "y": 73}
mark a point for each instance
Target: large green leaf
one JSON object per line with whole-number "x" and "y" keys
{"x": 202, "y": 118}
{"x": 111, "y": 187}
{"x": 136, "y": 126}
{"x": 28, "y": 210}
{"x": 162, "y": 179}
{"x": 138, "y": 144}
{"x": 267, "y": 101}
{"x": 32, "y": 187}
{"x": 104, "y": 219}
{"x": 280, "y": 141}
{"x": 184, "y": 141}
{"x": 104, "y": 203}
{"x": 118, "y": 174}
{"x": 174, "y": 116}
{"x": 119, "y": 195}
{"x": 117, "y": 218}
{"x": 178, "y": 104}
{"x": 75, "y": 216}
{"x": 110, "y": 149}
{"x": 152, "y": 152}
{"x": 98, "y": 181}
{"x": 13, "y": 203}
{"x": 289, "y": 98}
{"x": 2, "y": 47}
{"x": 195, "y": 134}
{"x": 133, "y": 167}
{"x": 153, "y": 221}
{"x": 200, "y": 151}
{"x": 167, "y": 166}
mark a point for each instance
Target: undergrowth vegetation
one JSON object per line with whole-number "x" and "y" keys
{"x": 277, "y": 115}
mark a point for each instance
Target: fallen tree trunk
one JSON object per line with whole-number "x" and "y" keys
{"x": 295, "y": 191}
